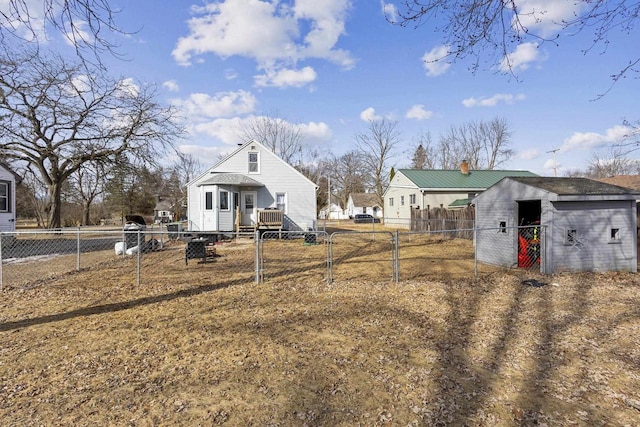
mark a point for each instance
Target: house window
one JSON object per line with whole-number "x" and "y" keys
{"x": 412, "y": 199}
{"x": 5, "y": 199}
{"x": 254, "y": 165}
{"x": 390, "y": 201}
{"x": 401, "y": 200}
{"x": 281, "y": 202}
{"x": 614, "y": 235}
{"x": 224, "y": 200}
{"x": 208, "y": 200}
{"x": 571, "y": 236}
{"x": 503, "y": 226}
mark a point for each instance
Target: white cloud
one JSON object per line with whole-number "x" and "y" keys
{"x": 389, "y": 11}
{"x": 506, "y": 98}
{"x": 529, "y": 154}
{"x": 418, "y": 112}
{"x": 230, "y": 74}
{"x": 521, "y": 58}
{"x": 267, "y": 31}
{"x": 369, "y": 115}
{"x": 434, "y": 61}
{"x": 588, "y": 140}
{"x": 222, "y": 104}
{"x": 128, "y": 87}
{"x": 547, "y": 16}
{"x": 171, "y": 85}
{"x": 78, "y": 35}
{"x": 284, "y": 78}
{"x": 315, "y": 133}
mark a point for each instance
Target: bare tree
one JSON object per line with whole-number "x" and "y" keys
{"x": 87, "y": 24}
{"x": 86, "y": 185}
{"x": 377, "y": 148}
{"x": 470, "y": 28}
{"x": 55, "y": 117}
{"x": 283, "y": 138}
{"x": 611, "y": 163}
{"x": 423, "y": 153}
{"x": 348, "y": 175}
{"x": 485, "y": 145}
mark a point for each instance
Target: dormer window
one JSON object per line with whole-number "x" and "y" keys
{"x": 254, "y": 164}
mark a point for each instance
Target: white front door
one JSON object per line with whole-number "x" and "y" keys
{"x": 209, "y": 214}
{"x": 247, "y": 204}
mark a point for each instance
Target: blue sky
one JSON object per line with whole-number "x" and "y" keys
{"x": 330, "y": 65}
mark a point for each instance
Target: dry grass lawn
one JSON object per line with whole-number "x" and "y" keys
{"x": 201, "y": 344}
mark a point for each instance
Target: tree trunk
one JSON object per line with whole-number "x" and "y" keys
{"x": 55, "y": 202}
{"x": 86, "y": 211}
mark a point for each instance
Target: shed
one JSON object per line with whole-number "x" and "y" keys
{"x": 584, "y": 225}
{"x": 8, "y": 181}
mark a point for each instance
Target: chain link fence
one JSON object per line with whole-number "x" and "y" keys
{"x": 31, "y": 257}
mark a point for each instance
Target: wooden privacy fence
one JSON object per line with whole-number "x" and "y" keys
{"x": 436, "y": 219}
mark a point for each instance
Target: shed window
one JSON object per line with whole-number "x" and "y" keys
{"x": 614, "y": 235}
{"x": 390, "y": 201}
{"x": 412, "y": 199}
{"x": 503, "y": 226}
{"x": 401, "y": 200}
{"x": 571, "y": 236}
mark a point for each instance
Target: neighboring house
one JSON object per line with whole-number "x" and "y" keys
{"x": 8, "y": 181}
{"x": 585, "y": 225}
{"x": 428, "y": 188}
{"x": 163, "y": 212}
{"x": 247, "y": 186}
{"x": 333, "y": 211}
{"x": 363, "y": 203}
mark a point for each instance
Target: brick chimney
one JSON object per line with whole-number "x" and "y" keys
{"x": 464, "y": 167}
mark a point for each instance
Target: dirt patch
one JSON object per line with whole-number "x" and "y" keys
{"x": 201, "y": 344}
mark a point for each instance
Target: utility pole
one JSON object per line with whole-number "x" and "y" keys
{"x": 554, "y": 160}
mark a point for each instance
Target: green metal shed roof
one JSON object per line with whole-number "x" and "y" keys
{"x": 444, "y": 179}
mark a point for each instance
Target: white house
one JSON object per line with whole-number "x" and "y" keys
{"x": 8, "y": 181}
{"x": 248, "y": 185}
{"x": 363, "y": 203}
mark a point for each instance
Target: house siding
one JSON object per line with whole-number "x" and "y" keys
{"x": 277, "y": 177}
{"x": 7, "y": 219}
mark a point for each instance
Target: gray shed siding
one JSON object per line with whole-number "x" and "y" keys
{"x": 594, "y": 249}
{"x": 501, "y": 205}
{"x": 592, "y": 219}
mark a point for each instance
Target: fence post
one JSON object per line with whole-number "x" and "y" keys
{"x": 330, "y": 260}
{"x": 78, "y": 249}
{"x": 139, "y": 254}
{"x": 397, "y": 256}
{"x": 256, "y": 238}
{"x": 475, "y": 251}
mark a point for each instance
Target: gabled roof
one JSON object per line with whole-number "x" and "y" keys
{"x": 231, "y": 179}
{"x": 447, "y": 179}
{"x": 628, "y": 181}
{"x": 163, "y": 205}
{"x": 575, "y": 186}
{"x": 365, "y": 199}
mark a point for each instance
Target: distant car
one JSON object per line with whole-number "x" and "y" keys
{"x": 365, "y": 219}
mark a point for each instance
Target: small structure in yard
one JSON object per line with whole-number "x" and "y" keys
{"x": 250, "y": 189}
{"x": 584, "y": 225}
{"x": 363, "y": 203}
